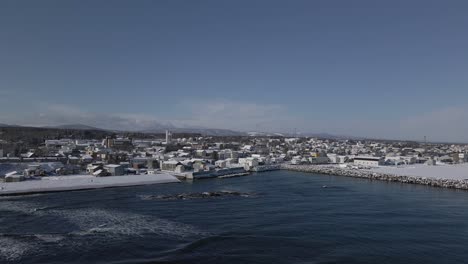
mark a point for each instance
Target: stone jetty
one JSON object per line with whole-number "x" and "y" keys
{"x": 365, "y": 174}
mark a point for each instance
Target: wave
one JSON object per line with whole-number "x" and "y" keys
{"x": 114, "y": 223}
{"x": 13, "y": 249}
{"x": 80, "y": 229}
{"x": 19, "y": 206}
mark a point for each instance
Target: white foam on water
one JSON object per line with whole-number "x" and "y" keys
{"x": 112, "y": 223}
{"x": 12, "y": 249}
{"x": 102, "y": 221}
{"x": 19, "y": 206}
{"x": 49, "y": 238}
{"x": 20, "y": 197}
{"x": 93, "y": 226}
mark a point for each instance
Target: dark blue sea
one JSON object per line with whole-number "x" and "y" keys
{"x": 288, "y": 217}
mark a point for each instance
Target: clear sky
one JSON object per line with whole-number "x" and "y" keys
{"x": 393, "y": 69}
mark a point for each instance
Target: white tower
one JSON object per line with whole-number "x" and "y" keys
{"x": 168, "y": 137}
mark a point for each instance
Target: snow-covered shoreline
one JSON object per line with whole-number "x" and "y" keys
{"x": 81, "y": 182}
{"x": 449, "y": 172}
{"x": 449, "y": 181}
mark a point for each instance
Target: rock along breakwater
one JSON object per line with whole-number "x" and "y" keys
{"x": 370, "y": 175}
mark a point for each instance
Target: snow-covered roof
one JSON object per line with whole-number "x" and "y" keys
{"x": 87, "y": 157}
{"x": 11, "y": 173}
{"x": 171, "y": 162}
{"x": 112, "y": 165}
{"x": 97, "y": 172}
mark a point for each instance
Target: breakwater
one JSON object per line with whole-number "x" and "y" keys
{"x": 357, "y": 173}
{"x": 216, "y": 173}
{"x": 263, "y": 168}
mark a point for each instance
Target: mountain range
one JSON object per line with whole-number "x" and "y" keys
{"x": 159, "y": 129}
{"x": 198, "y": 130}
{"x": 75, "y": 126}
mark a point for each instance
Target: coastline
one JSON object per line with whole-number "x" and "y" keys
{"x": 372, "y": 175}
{"x": 81, "y": 182}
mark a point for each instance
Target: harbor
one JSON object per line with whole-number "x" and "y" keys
{"x": 284, "y": 213}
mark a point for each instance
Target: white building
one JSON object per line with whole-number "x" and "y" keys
{"x": 221, "y": 163}
{"x": 319, "y": 160}
{"x": 399, "y": 160}
{"x": 369, "y": 161}
{"x": 339, "y": 159}
{"x": 114, "y": 169}
{"x": 462, "y": 157}
{"x": 430, "y": 162}
{"x": 179, "y": 168}
{"x": 14, "y": 177}
{"x": 168, "y": 137}
{"x": 248, "y": 162}
{"x": 296, "y": 160}
{"x": 333, "y": 158}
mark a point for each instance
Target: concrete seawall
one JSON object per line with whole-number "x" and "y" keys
{"x": 81, "y": 182}
{"x": 330, "y": 170}
{"x": 263, "y": 168}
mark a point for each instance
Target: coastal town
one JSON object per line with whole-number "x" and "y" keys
{"x": 115, "y": 160}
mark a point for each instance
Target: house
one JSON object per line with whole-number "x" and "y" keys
{"x": 100, "y": 173}
{"x": 169, "y": 165}
{"x": 342, "y": 159}
{"x": 221, "y": 163}
{"x": 248, "y": 147}
{"x": 319, "y": 159}
{"x": 114, "y": 169}
{"x": 87, "y": 158}
{"x": 248, "y": 162}
{"x": 459, "y": 157}
{"x": 205, "y": 154}
{"x": 296, "y": 161}
{"x": 179, "y": 168}
{"x": 34, "y": 170}
{"x": 462, "y": 157}
{"x": 73, "y": 160}
{"x": 333, "y": 158}
{"x": 29, "y": 154}
{"x": 68, "y": 169}
{"x": 276, "y": 160}
{"x": 125, "y": 164}
{"x": 445, "y": 159}
{"x": 197, "y": 166}
{"x": 152, "y": 163}
{"x": 230, "y": 161}
{"x": 13, "y": 176}
{"x": 400, "y": 160}
{"x": 91, "y": 168}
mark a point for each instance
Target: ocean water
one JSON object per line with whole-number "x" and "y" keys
{"x": 289, "y": 217}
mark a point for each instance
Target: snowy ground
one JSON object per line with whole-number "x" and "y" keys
{"x": 455, "y": 172}
{"x": 81, "y": 182}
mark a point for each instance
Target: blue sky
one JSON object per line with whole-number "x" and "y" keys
{"x": 393, "y": 69}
